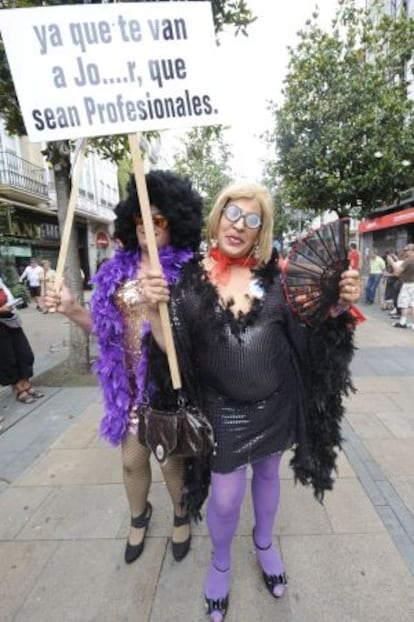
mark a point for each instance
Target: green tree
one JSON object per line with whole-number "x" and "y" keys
{"x": 284, "y": 217}
{"x": 205, "y": 159}
{"x": 344, "y": 136}
{"x": 124, "y": 171}
{"x": 234, "y": 13}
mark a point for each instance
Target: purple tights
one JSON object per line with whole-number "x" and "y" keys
{"x": 223, "y": 513}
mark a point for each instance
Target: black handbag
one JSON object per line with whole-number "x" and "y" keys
{"x": 185, "y": 432}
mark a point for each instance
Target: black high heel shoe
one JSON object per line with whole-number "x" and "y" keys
{"x": 133, "y": 551}
{"x": 272, "y": 580}
{"x": 220, "y": 604}
{"x": 180, "y": 549}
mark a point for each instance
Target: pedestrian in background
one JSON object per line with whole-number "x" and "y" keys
{"x": 119, "y": 319}
{"x": 391, "y": 280}
{"x": 376, "y": 270}
{"x": 353, "y": 257}
{"x": 404, "y": 269}
{"x": 48, "y": 281}
{"x": 33, "y": 273}
{"x": 393, "y": 261}
{"x": 16, "y": 358}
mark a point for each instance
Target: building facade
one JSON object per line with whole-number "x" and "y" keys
{"x": 28, "y": 208}
{"x": 392, "y": 226}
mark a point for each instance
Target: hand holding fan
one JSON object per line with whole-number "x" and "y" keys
{"x": 313, "y": 269}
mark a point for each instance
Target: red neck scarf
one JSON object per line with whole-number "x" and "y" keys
{"x": 220, "y": 273}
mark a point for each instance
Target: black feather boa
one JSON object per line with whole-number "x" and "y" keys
{"x": 326, "y": 378}
{"x": 322, "y": 359}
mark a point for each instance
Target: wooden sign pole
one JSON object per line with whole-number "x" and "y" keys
{"x": 75, "y": 177}
{"x": 138, "y": 169}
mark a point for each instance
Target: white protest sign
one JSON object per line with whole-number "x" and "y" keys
{"x": 93, "y": 70}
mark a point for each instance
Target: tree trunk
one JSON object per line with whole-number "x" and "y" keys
{"x": 78, "y": 357}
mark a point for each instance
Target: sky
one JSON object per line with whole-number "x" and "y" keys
{"x": 255, "y": 67}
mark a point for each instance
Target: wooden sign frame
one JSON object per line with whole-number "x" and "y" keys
{"x": 70, "y": 212}
{"x": 138, "y": 169}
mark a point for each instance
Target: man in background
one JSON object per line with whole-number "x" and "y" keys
{"x": 33, "y": 273}
{"x": 376, "y": 269}
{"x": 404, "y": 269}
{"x": 353, "y": 257}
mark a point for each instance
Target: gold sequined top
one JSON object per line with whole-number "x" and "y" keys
{"x": 134, "y": 310}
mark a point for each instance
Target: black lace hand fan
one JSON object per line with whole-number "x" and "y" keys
{"x": 312, "y": 271}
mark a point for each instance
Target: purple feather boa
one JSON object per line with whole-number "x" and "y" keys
{"x": 108, "y": 326}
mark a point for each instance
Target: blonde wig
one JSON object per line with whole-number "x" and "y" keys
{"x": 245, "y": 190}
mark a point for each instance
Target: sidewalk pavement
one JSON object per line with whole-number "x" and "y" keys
{"x": 64, "y": 517}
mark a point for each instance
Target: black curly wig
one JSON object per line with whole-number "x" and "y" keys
{"x": 175, "y": 198}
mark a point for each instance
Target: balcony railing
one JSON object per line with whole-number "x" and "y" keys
{"x": 21, "y": 176}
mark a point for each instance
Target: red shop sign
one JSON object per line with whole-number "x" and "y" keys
{"x": 390, "y": 220}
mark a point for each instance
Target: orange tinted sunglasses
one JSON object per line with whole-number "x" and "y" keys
{"x": 158, "y": 219}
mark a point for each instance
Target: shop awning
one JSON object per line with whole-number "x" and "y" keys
{"x": 390, "y": 220}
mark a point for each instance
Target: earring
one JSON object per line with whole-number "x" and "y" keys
{"x": 213, "y": 242}
{"x": 256, "y": 251}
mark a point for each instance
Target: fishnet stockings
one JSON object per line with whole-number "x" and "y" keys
{"x": 136, "y": 471}
{"x": 137, "y": 480}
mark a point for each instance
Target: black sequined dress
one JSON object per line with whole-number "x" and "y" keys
{"x": 245, "y": 372}
{"x": 267, "y": 381}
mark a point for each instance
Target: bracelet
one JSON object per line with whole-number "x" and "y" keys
{"x": 338, "y": 309}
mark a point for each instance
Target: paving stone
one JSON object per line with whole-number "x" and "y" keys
{"x": 183, "y": 583}
{"x": 103, "y": 587}
{"x": 15, "y": 411}
{"x": 401, "y": 539}
{"x": 350, "y": 510}
{"x": 21, "y": 563}
{"x": 285, "y": 470}
{"x": 346, "y": 560}
{"x": 17, "y": 506}
{"x": 404, "y": 485}
{"x": 344, "y": 467}
{"x": 377, "y": 384}
{"x": 78, "y": 512}
{"x": 401, "y": 424}
{"x": 299, "y": 512}
{"x": 71, "y": 467}
{"x": 84, "y": 432}
{"x": 347, "y": 578}
{"x": 370, "y": 361}
{"x": 365, "y": 477}
{"x": 369, "y": 402}
{"x": 26, "y": 441}
{"x": 354, "y": 446}
{"x": 404, "y": 401}
{"x": 369, "y": 339}
{"x": 395, "y": 456}
{"x": 399, "y": 507}
{"x": 391, "y": 521}
{"x": 367, "y": 425}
